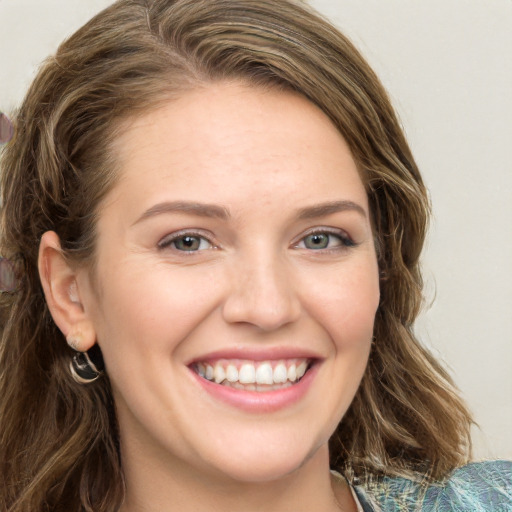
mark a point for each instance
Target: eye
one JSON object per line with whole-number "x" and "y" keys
{"x": 185, "y": 242}
{"x": 321, "y": 240}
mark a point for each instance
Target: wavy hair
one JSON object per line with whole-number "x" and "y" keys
{"x": 59, "y": 445}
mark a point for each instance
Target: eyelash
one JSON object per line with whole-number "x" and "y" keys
{"x": 166, "y": 243}
{"x": 345, "y": 241}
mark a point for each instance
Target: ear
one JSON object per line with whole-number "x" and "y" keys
{"x": 60, "y": 286}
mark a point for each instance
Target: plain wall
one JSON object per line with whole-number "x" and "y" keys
{"x": 446, "y": 65}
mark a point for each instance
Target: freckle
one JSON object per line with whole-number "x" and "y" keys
{"x": 6, "y": 129}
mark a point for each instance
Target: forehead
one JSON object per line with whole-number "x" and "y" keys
{"x": 235, "y": 138}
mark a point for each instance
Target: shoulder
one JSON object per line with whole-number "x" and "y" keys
{"x": 477, "y": 487}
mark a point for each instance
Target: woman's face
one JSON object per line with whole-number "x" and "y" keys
{"x": 234, "y": 254}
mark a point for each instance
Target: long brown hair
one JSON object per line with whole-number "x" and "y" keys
{"x": 58, "y": 440}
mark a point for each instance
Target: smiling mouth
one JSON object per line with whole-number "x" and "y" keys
{"x": 246, "y": 375}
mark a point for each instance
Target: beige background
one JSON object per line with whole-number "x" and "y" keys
{"x": 446, "y": 64}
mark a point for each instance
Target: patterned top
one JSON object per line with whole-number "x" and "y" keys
{"x": 477, "y": 487}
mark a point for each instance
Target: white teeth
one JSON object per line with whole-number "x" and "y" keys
{"x": 264, "y": 374}
{"x": 231, "y": 373}
{"x": 219, "y": 374}
{"x": 253, "y": 376}
{"x": 280, "y": 374}
{"x": 247, "y": 374}
{"x": 301, "y": 369}
{"x": 292, "y": 373}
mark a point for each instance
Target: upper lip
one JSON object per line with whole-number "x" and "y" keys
{"x": 257, "y": 354}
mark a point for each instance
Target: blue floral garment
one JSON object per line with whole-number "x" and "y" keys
{"x": 477, "y": 487}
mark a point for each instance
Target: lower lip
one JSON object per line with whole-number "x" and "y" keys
{"x": 259, "y": 402}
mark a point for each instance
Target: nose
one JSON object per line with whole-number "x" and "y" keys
{"x": 262, "y": 293}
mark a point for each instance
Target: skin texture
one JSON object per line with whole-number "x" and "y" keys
{"x": 255, "y": 285}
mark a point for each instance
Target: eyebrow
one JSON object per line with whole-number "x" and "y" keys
{"x": 323, "y": 209}
{"x": 200, "y": 209}
{"x": 220, "y": 212}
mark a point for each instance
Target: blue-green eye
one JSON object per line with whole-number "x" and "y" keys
{"x": 317, "y": 241}
{"x": 186, "y": 243}
{"x": 325, "y": 240}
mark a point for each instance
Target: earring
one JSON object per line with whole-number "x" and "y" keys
{"x": 86, "y": 367}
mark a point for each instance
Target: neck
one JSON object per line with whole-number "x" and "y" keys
{"x": 152, "y": 486}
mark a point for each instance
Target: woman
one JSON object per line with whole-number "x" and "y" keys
{"x": 218, "y": 277}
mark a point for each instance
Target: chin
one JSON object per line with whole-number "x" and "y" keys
{"x": 255, "y": 464}
{"x": 263, "y": 472}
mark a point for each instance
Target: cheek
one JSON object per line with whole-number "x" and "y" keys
{"x": 153, "y": 309}
{"x": 345, "y": 308}
{"x": 345, "y": 302}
